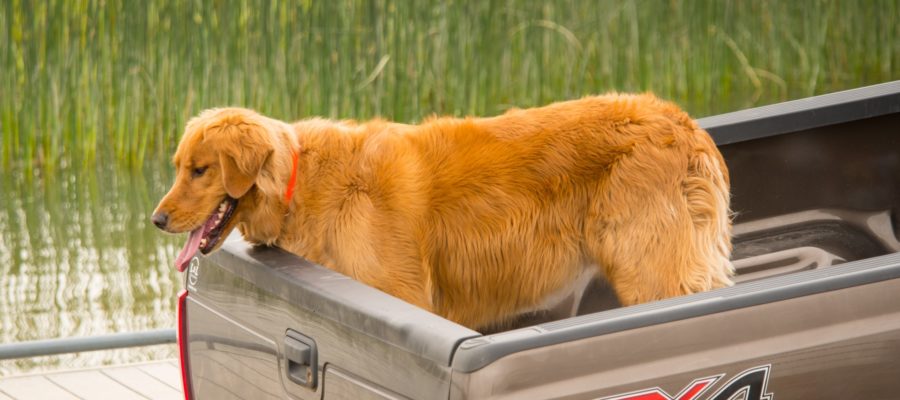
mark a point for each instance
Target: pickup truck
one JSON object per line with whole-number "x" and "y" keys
{"x": 815, "y": 312}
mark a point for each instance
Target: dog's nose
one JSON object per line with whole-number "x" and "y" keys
{"x": 160, "y": 219}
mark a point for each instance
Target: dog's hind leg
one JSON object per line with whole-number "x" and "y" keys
{"x": 661, "y": 226}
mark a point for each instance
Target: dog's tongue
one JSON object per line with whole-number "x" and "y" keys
{"x": 193, "y": 243}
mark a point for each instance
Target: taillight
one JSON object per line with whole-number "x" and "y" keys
{"x": 183, "y": 344}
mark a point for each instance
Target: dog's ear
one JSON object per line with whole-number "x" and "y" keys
{"x": 244, "y": 149}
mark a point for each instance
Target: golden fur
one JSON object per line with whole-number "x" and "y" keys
{"x": 476, "y": 219}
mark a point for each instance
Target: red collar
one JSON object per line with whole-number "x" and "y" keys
{"x": 289, "y": 192}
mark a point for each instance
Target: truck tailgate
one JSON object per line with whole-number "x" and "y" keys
{"x": 247, "y": 306}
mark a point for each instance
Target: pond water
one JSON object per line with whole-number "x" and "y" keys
{"x": 79, "y": 257}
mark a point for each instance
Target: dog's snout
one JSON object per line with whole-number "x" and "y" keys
{"x": 160, "y": 219}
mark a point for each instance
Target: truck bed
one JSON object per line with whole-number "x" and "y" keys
{"x": 815, "y": 311}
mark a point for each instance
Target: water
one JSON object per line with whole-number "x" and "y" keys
{"x": 78, "y": 257}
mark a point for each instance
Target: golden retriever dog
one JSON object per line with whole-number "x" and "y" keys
{"x": 474, "y": 219}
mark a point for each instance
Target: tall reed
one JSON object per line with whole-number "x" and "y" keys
{"x": 114, "y": 81}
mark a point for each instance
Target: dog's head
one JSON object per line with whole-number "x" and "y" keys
{"x": 225, "y": 156}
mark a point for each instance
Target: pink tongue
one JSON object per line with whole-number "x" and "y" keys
{"x": 193, "y": 243}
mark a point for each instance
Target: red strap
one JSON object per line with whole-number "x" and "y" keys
{"x": 289, "y": 192}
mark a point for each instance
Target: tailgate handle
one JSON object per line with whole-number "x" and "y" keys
{"x": 300, "y": 359}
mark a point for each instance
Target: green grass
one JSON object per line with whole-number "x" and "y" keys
{"x": 114, "y": 81}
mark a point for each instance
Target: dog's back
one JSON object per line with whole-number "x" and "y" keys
{"x": 520, "y": 204}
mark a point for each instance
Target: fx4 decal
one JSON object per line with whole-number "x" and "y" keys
{"x": 748, "y": 385}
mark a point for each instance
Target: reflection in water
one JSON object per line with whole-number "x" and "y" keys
{"x": 78, "y": 257}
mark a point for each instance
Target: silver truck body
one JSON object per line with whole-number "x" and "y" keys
{"x": 815, "y": 313}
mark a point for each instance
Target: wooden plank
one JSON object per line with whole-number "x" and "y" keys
{"x": 166, "y": 373}
{"x": 93, "y": 384}
{"x": 141, "y": 382}
{"x": 33, "y": 387}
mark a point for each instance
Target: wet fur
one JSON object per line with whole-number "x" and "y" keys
{"x": 476, "y": 219}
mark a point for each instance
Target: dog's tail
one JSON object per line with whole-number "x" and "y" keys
{"x": 706, "y": 191}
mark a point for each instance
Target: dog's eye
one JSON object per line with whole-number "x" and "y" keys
{"x": 198, "y": 172}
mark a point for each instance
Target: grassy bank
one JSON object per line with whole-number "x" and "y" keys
{"x": 96, "y": 81}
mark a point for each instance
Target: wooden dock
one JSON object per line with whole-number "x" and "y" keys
{"x": 152, "y": 380}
